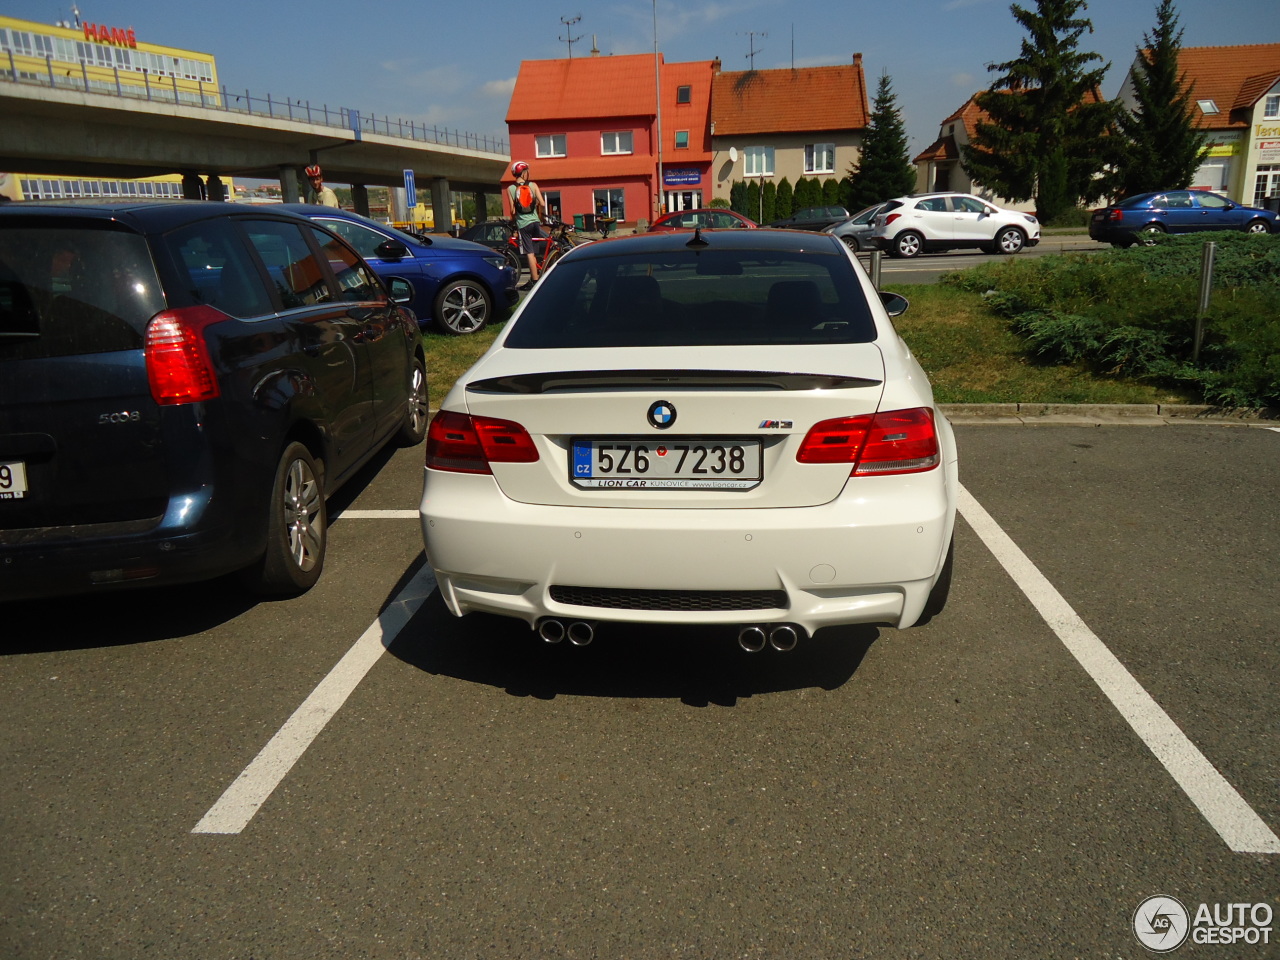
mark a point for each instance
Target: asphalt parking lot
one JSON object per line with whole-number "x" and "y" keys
{"x": 355, "y": 773}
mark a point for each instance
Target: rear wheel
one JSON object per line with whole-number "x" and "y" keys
{"x": 1256, "y": 226}
{"x": 852, "y": 243}
{"x": 462, "y": 306}
{"x": 514, "y": 260}
{"x": 297, "y": 528}
{"x": 1147, "y": 235}
{"x": 907, "y": 245}
{"x": 1010, "y": 240}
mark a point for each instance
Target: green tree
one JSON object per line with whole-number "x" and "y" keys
{"x": 884, "y": 170}
{"x": 768, "y": 202}
{"x": 1046, "y": 137}
{"x": 785, "y": 205}
{"x": 738, "y": 198}
{"x": 753, "y": 200}
{"x": 831, "y": 192}
{"x": 807, "y": 193}
{"x": 1159, "y": 145}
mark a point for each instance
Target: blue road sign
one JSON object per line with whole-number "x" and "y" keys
{"x": 410, "y": 191}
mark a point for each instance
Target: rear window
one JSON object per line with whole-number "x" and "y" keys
{"x": 74, "y": 289}
{"x": 696, "y": 298}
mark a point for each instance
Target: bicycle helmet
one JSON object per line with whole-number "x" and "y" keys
{"x": 312, "y": 172}
{"x": 519, "y": 169}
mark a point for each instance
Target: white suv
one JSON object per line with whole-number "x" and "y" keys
{"x": 928, "y": 222}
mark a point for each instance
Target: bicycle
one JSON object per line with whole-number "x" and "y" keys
{"x": 554, "y": 245}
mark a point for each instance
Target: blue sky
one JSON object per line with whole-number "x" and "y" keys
{"x": 453, "y": 64}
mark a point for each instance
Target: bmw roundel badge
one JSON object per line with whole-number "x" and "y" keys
{"x": 662, "y": 414}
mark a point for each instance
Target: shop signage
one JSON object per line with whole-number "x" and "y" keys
{"x": 1269, "y": 151}
{"x": 681, "y": 176}
{"x": 112, "y": 35}
{"x": 1226, "y": 144}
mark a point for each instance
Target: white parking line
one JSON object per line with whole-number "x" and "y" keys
{"x": 379, "y": 514}
{"x": 1227, "y": 812}
{"x": 249, "y": 791}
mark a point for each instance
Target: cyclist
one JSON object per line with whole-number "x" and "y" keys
{"x": 319, "y": 192}
{"x": 528, "y": 207}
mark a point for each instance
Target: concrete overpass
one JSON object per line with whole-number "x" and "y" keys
{"x": 68, "y": 132}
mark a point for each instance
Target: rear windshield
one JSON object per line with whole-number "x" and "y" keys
{"x": 74, "y": 290}
{"x": 696, "y": 298}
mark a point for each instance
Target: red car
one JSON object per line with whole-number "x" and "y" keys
{"x": 709, "y": 219}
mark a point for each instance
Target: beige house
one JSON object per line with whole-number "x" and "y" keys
{"x": 793, "y": 123}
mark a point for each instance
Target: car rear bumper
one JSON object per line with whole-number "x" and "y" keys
{"x": 870, "y": 556}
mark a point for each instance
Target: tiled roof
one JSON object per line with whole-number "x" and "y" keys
{"x": 944, "y": 148}
{"x": 1232, "y": 77}
{"x": 584, "y": 87}
{"x": 790, "y": 101}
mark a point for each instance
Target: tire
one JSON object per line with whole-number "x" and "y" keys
{"x": 513, "y": 260}
{"x": 852, "y": 244}
{"x": 1257, "y": 226}
{"x": 297, "y": 528}
{"x": 1009, "y": 241}
{"x": 941, "y": 590}
{"x": 462, "y": 307}
{"x": 907, "y": 245}
{"x": 555, "y": 254}
{"x": 1147, "y": 234}
{"x": 414, "y": 429}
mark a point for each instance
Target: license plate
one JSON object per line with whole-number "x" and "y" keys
{"x": 685, "y": 463}
{"x": 13, "y": 480}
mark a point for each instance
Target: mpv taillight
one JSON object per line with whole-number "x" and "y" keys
{"x": 178, "y": 364}
{"x": 464, "y": 444}
{"x": 890, "y": 217}
{"x": 896, "y": 441}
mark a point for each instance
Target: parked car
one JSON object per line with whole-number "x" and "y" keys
{"x": 1136, "y": 219}
{"x": 496, "y": 235}
{"x": 812, "y": 218}
{"x": 181, "y": 387}
{"x": 713, "y": 218}
{"x": 856, "y": 231}
{"x": 720, "y": 431}
{"x": 459, "y": 285}
{"x": 933, "y": 222}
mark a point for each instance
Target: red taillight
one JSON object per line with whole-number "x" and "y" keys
{"x": 463, "y": 444}
{"x": 890, "y": 217}
{"x": 178, "y": 364}
{"x": 897, "y": 441}
{"x": 1116, "y": 215}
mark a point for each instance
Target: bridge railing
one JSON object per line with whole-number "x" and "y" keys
{"x": 51, "y": 73}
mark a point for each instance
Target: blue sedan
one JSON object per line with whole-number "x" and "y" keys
{"x": 1136, "y": 219}
{"x": 457, "y": 284}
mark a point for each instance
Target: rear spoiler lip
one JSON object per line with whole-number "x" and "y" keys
{"x": 529, "y": 383}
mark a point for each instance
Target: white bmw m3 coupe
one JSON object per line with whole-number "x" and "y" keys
{"x": 718, "y": 428}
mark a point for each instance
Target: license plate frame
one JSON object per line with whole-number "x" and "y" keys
{"x": 707, "y": 463}
{"x": 13, "y": 480}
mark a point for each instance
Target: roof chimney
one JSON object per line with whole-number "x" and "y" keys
{"x": 857, "y": 60}
{"x": 595, "y": 51}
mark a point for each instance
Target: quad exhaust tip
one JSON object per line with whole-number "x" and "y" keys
{"x": 782, "y": 637}
{"x": 579, "y": 632}
{"x": 551, "y": 630}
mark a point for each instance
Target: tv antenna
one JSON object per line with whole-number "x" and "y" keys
{"x": 751, "y": 56}
{"x": 568, "y": 37}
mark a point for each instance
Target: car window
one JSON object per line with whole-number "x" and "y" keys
{"x": 364, "y": 239}
{"x": 865, "y": 216}
{"x": 211, "y": 255}
{"x": 1211, "y": 201}
{"x": 1160, "y": 201}
{"x": 696, "y": 298}
{"x": 355, "y": 280}
{"x": 71, "y": 290}
{"x": 933, "y": 204}
{"x": 1178, "y": 200}
{"x": 968, "y": 205}
{"x": 724, "y": 220}
{"x": 294, "y": 270}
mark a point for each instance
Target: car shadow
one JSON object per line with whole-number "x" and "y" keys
{"x": 700, "y": 666}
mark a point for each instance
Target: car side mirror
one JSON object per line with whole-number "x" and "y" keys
{"x": 894, "y": 303}
{"x": 1230, "y": 206}
{"x": 391, "y": 250}
{"x": 401, "y": 290}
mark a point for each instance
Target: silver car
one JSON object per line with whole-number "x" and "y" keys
{"x": 856, "y": 230}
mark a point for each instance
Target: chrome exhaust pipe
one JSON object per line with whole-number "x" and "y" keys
{"x": 752, "y": 639}
{"x": 581, "y": 632}
{"x": 784, "y": 637}
{"x": 551, "y": 630}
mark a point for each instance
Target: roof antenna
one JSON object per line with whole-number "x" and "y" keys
{"x": 697, "y": 242}
{"x": 751, "y": 44}
{"x": 569, "y": 37}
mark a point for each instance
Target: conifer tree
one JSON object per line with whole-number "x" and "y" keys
{"x": 738, "y": 198}
{"x": 885, "y": 170}
{"x": 1159, "y": 147}
{"x": 1046, "y": 137}
{"x": 784, "y": 204}
{"x": 768, "y": 202}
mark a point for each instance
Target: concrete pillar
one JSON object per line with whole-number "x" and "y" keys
{"x": 482, "y": 206}
{"x": 217, "y": 190}
{"x": 360, "y": 198}
{"x": 440, "y": 209}
{"x": 289, "y": 185}
{"x": 192, "y": 187}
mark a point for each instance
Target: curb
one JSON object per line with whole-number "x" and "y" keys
{"x": 1135, "y": 414}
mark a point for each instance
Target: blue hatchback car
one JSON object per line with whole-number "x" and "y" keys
{"x": 1136, "y": 219}
{"x": 457, "y": 284}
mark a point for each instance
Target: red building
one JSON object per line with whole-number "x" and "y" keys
{"x": 588, "y": 127}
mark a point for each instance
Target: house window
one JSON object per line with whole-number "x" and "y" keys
{"x": 684, "y": 94}
{"x": 758, "y": 162}
{"x": 682, "y": 139}
{"x": 550, "y": 145}
{"x": 819, "y": 158}
{"x": 553, "y": 203}
{"x": 1271, "y": 108}
{"x": 1266, "y": 183}
{"x": 615, "y": 142}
